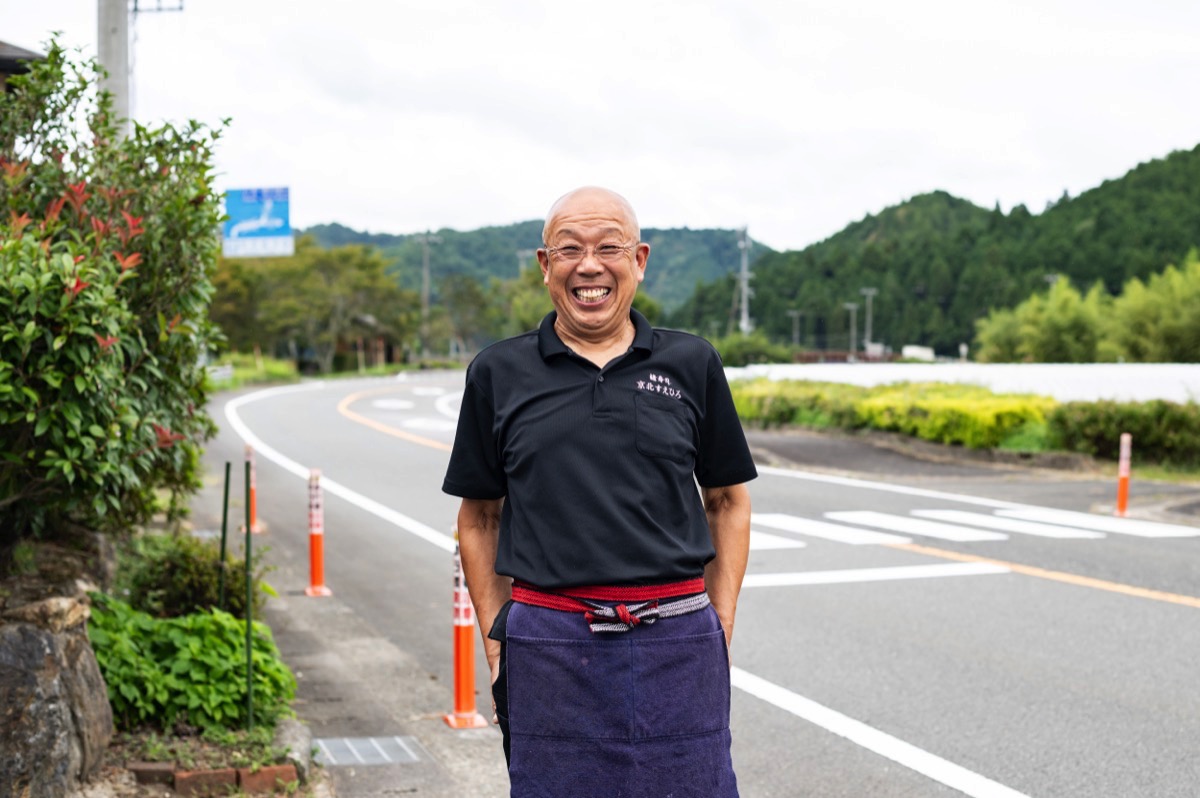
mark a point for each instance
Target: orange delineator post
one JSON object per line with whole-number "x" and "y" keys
{"x": 255, "y": 527}
{"x": 316, "y": 537}
{"x": 1123, "y": 473}
{"x": 464, "y": 715}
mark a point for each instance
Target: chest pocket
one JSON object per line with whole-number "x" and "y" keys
{"x": 664, "y": 428}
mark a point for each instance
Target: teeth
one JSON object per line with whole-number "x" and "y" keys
{"x": 589, "y": 294}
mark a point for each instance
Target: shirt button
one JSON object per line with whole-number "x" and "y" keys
{"x": 601, "y": 378}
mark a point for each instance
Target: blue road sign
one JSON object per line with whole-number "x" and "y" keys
{"x": 258, "y": 223}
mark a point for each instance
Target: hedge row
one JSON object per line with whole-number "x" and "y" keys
{"x": 1163, "y": 432}
{"x": 971, "y": 416}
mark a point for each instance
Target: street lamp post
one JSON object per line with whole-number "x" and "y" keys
{"x": 796, "y": 316}
{"x": 523, "y": 256}
{"x": 425, "y": 239}
{"x": 853, "y": 308}
{"x": 869, "y": 293}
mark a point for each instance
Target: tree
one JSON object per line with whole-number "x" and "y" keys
{"x": 107, "y": 247}
{"x": 323, "y": 300}
{"x": 1160, "y": 320}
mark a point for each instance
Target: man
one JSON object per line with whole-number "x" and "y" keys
{"x": 604, "y": 582}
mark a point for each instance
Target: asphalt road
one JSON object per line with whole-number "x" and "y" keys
{"x": 908, "y": 627}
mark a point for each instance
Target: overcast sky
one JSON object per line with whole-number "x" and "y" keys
{"x": 792, "y": 117}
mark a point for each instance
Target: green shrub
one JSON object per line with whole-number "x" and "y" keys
{"x": 946, "y": 413}
{"x": 1167, "y": 433}
{"x": 246, "y": 371}
{"x": 107, "y": 245}
{"x": 809, "y": 404}
{"x": 955, "y": 414}
{"x": 192, "y": 668}
{"x": 172, "y": 575}
{"x": 743, "y": 350}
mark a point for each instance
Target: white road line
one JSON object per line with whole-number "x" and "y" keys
{"x": 447, "y": 405}
{"x": 407, "y": 750}
{"x": 940, "y": 770}
{"x": 873, "y": 574}
{"x": 914, "y": 526}
{"x": 329, "y": 758}
{"x": 261, "y": 449}
{"x": 763, "y": 541}
{"x": 1006, "y": 524}
{"x": 379, "y": 748}
{"x": 888, "y": 487}
{"x": 354, "y": 751}
{"x": 824, "y": 530}
{"x": 393, "y": 404}
{"x": 1106, "y": 523}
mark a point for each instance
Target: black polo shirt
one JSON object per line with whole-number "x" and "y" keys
{"x": 598, "y": 467}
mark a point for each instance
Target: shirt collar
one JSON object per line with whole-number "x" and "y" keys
{"x": 549, "y": 344}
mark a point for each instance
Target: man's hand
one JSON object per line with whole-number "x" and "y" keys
{"x": 728, "y": 511}
{"x": 478, "y": 539}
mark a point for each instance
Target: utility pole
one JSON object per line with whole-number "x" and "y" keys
{"x": 523, "y": 256}
{"x": 425, "y": 239}
{"x": 113, "y": 20}
{"x": 869, "y": 293}
{"x": 112, "y": 45}
{"x": 744, "y": 282}
{"x": 796, "y": 315}
{"x": 853, "y": 308}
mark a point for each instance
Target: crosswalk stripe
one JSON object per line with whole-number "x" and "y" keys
{"x": 762, "y": 541}
{"x": 820, "y": 529}
{"x": 872, "y": 574}
{"x": 914, "y": 526}
{"x": 1105, "y": 523}
{"x": 1006, "y": 524}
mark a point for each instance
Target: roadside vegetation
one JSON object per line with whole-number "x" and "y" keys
{"x": 108, "y": 247}
{"x": 1166, "y": 434}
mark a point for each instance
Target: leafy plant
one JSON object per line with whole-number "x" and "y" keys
{"x": 169, "y": 575}
{"x": 107, "y": 244}
{"x": 190, "y": 668}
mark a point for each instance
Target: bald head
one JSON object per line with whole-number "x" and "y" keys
{"x": 589, "y": 204}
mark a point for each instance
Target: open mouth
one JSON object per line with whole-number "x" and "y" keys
{"x": 591, "y": 295}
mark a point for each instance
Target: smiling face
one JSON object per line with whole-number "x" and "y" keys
{"x": 592, "y": 294}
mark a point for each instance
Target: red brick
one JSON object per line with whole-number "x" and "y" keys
{"x": 152, "y": 772}
{"x": 205, "y": 782}
{"x": 266, "y": 779}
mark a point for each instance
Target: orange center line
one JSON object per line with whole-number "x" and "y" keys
{"x": 344, "y": 408}
{"x": 1057, "y": 576}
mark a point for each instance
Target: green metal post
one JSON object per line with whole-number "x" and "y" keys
{"x": 224, "y": 533}
{"x": 249, "y": 613}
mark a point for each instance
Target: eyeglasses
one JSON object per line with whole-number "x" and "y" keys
{"x": 608, "y": 254}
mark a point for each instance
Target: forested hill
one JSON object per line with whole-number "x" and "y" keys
{"x": 679, "y": 258}
{"x": 939, "y": 263}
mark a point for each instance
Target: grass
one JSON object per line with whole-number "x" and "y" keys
{"x": 1178, "y": 475}
{"x": 204, "y": 750}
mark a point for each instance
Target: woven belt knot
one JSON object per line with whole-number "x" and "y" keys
{"x": 633, "y": 606}
{"x": 623, "y": 617}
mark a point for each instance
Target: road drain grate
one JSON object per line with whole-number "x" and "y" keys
{"x": 363, "y": 751}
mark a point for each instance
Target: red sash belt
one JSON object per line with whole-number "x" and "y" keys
{"x": 637, "y": 604}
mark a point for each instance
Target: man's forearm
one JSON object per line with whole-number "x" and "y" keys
{"x": 728, "y": 511}
{"x": 478, "y": 539}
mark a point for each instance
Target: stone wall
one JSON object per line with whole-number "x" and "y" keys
{"x": 55, "y": 719}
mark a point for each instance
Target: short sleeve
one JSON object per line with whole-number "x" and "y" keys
{"x": 475, "y": 470}
{"x": 723, "y": 457}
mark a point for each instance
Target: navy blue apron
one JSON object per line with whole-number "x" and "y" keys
{"x": 637, "y": 714}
